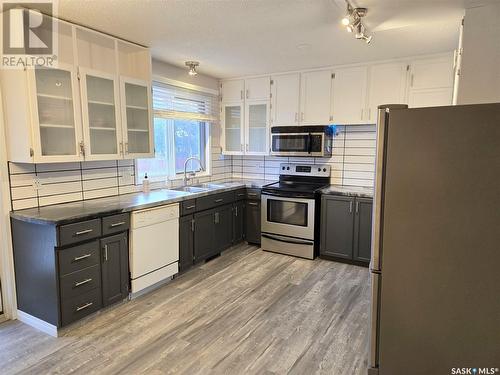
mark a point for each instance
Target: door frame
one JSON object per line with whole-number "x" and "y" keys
{"x": 9, "y": 304}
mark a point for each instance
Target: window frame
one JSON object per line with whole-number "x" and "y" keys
{"x": 206, "y": 133}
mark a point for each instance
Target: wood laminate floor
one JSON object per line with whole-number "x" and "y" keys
{"x": 246, "y": 312}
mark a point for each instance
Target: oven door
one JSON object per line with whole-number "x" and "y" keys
{"x": 288, "y": 216}
{"x": 297, "y": 144}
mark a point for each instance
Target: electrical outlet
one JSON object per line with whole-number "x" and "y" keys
{"x": 37, "y": 184}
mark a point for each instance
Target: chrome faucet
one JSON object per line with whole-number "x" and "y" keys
{"x": 191, "y": 174}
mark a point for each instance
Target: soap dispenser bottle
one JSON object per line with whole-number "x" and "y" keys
{"x": 145, "y": 184}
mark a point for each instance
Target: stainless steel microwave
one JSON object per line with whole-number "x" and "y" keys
{"x": 302, "y": 140}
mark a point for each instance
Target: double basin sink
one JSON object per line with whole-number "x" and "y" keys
{"x": 206, "y": 187}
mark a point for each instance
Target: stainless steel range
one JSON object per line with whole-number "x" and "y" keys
{"x": 290, "y": 210}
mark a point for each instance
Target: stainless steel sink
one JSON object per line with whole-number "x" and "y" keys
{"x": 210, "y": 186}
{"x": 191, "y": 189}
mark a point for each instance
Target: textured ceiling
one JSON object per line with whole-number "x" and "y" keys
{"x": 236, "y": 37}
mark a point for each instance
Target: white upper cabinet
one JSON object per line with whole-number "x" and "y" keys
{"x": 349, "y": 96}
{"x": 431, "y": 82}
{"x": 315, "y": 97}
{"x": 233, "y": 91}
{"x": 245, "y": 116}
{"x": 95, "y": 105}
{"x": 387, "y": 85}
{"x": 257, "y": 88}
{"x": 285, "y": 91}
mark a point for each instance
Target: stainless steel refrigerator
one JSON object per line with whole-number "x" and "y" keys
{"x": 435, "y": 267}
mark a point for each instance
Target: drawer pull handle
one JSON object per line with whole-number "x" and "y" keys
{"x": 79, "y": 283}
{"x": 190, "y": 207}
{"x": 241, "y": 194}
{"x": 252, "y": 194}
{"x": 253, "y": 204}
{"x": 117, "y": 224}
{"x": 83, "y": 232}
{"x": 219, "y": 200}
{"x": 76, "y": 259}
{"x": 83, "y": 307}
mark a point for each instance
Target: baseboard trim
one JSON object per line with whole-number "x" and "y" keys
{"x": 37, "y": 323}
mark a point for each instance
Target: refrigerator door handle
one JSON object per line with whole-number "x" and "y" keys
{"x": 374, "y": 312}
{"x": 377, "y": 197}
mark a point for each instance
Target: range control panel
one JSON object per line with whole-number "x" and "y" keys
{"x": 313, "y": 170}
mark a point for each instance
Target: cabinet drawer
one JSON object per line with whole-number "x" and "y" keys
{"x": 240, "y": 194}
{"x": 188, "y": 207}
{"x": 215, "y": 200}
{"x": 80, "y": 306}
{"x": 78, "y": 257}
{"x": 80, "y": 282}
{"x": 253, "y": 194}
{"x": 115, "y": 224}
{"x": 78, "y": 232}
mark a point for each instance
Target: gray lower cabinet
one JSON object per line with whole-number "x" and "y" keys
{"x": 346, "y": 228}
{"x": 204, "y": 235}
{"x": 252, "y": 221}
{"x": 114, "y": 268}
{"x": 363, "y": 229}
{"x": 65, "y": 272}
{"x": 186, "y": 242}
{"x": 223, "y": 227}
{"x": 238, "y": 221}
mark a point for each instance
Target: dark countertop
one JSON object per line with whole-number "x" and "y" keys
{"x": 83, "y": 210}
{"x": 349, "y": 191}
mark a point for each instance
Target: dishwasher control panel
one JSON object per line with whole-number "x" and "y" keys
{"x": 150, "y": 216}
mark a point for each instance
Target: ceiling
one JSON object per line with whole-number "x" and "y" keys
{"x": 244, "y": 37}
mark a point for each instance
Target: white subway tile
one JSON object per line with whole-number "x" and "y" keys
{"x": 21, "y": 168}
{"x": 100, "y": 184}
{"x": 91, "y": 174}
{"x": 23, "y": 179}
{"x": 63, "y": 198}
{"x": 100, "y": 193}
{"x": 50, "y": 167}
{"x": 59, "y": 177}
{"x": 25, "y": 203}
{"x": 60, "y": 188}
{"x": 99, "y": 164}
{"x": 23, "y": 192}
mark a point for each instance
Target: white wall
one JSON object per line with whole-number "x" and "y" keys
{"x": 180, "y": 74}
{"x": 480, "y": 71}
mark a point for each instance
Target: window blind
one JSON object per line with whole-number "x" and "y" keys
{"x": 173, "y": 102}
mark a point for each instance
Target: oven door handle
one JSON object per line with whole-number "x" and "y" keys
{"x": 264, "y": 192}
{"x": 281, "y": 239}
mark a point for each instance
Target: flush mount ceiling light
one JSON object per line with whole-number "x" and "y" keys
{"x": 192, "y": 67}
{"x": 352, "y": 22}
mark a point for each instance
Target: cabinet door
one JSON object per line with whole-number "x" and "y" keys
{"x": 258, "y": 88}
{"x": 238, "y": 221}
{"x": 115, "y": 275}
{"x": 223, "y": 219}
{"x": 232, "y": 91}
{"x": 349, "y": 96}
{"x": 315, "y": 97}
{"x": 186, "y": 242}
{"x": 136, "y": 118}
{"x": 285, "y": 98}
{"x": 337, "y": 226}
{"x": 204, "y": 235}
{"x": 232, "y": 128}
{"x": 101, "y": 120}
{"x": 363, "y": 229}
{"x": 56, "y": 116}
{"x": 431, "y": 82}
{"x": 387, "y": 86}
{"x": 252, "y": 222}
{"x": 256, "y": 127}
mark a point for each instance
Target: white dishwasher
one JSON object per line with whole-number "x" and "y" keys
{"x": 154, "y": 246}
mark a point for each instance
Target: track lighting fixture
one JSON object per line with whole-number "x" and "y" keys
{"x": 192, "y": 67}
{"x": 352, "y": 22}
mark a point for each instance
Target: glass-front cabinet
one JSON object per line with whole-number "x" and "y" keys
{"x": 56, "y": 112}
{"x": 257, "y": 120}
{"x": 101, "y": 118}
{"x": 233, "y": 134}
{"x": 136, "y": 117}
